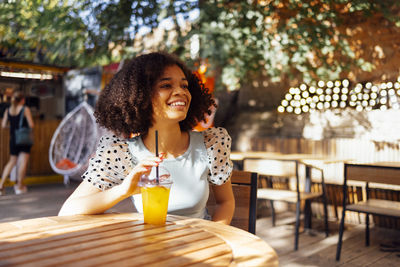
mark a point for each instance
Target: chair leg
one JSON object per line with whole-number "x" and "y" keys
{"x": 296, "y": 237}
{"x": 273, "y": 213}
{"x": 367, "y": 229}
{"x": 341, "y": 230}
{"x": 326, "y": 217}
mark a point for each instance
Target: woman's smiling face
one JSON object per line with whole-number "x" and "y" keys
{"x": 171, "y": 99}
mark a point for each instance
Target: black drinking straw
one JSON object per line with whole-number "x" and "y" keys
{"x": 157, "y": 175}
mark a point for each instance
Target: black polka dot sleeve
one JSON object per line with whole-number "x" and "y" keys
{"x": 218, "y": 144}
{"x": 111, "y": 164}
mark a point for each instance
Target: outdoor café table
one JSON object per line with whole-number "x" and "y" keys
{"x": 122, "y": 239}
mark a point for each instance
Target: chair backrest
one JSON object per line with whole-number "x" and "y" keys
{"x": 377, "y": 173}
{"x": 244, "y": 186}
{"x": 269, "y": 167}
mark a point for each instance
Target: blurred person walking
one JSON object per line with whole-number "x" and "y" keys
{"x": 19, "y": 154}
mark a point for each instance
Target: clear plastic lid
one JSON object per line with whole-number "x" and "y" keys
{"x": 151, "y": 180}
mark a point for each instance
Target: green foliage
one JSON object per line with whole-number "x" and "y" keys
{"x": 239, "y": 39}
{"x": 291, "y": 38}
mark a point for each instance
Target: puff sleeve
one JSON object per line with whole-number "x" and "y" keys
{"x": 111, "y": 163}
{"x": 218, "y": 145}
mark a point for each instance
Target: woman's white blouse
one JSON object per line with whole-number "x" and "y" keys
{"x": 207, "y": 160}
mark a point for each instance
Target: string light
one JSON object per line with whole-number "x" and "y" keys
{"x": 338, "y": 94}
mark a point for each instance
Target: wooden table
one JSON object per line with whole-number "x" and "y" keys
{"x": 124, "y": 240}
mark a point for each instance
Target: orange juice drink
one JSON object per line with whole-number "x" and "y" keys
{"x": 155, "y": 203}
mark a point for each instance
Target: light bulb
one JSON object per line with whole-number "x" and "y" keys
{"x": 336, "y": 90}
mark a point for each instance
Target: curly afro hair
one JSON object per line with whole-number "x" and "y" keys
{"x": 125, "y": 106}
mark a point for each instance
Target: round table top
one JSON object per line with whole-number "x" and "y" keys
{"x": 123, "y": 238}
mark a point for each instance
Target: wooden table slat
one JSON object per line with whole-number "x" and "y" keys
{"x": 148, "y": 252}
{"x": 81, "y": 248}
{"x": 37, "y": 245}
{"x": 59, "y": 232}
{"x": 197, "y": 256}
{"x": 223, "y": 260}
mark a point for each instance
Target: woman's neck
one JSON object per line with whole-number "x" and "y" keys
{"x": 16, "y": 107}
{"x": 171, "y": 140}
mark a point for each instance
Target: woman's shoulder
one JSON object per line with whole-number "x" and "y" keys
{"x": 111, "y": 144}
{"x": 215, "y": 135}
{"x": 111, "y": 163}
{"x": 218, "y": 145}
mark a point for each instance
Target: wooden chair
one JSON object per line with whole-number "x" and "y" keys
{"x": 289, "y": 169}
{"x": 244, "y": 185}
{"x": 374, "y": 173}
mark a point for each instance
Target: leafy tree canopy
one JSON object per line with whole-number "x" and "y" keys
{"x": 238, "y": 39}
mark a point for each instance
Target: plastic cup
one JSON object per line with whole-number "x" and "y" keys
{"x": 155, "y": 196}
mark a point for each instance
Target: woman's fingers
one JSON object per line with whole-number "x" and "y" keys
{"x": 144, "y": 167}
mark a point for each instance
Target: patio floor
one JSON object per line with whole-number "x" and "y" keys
{"x": 314, "y": 249}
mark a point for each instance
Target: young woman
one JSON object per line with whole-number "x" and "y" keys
{"x": 153, "y": 92}
{"x": 18, "y": 153}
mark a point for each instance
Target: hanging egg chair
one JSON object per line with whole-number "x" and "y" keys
{"x": 74, "y": 142}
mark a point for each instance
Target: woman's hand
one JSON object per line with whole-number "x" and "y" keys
{"x": 129, "y": 185}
